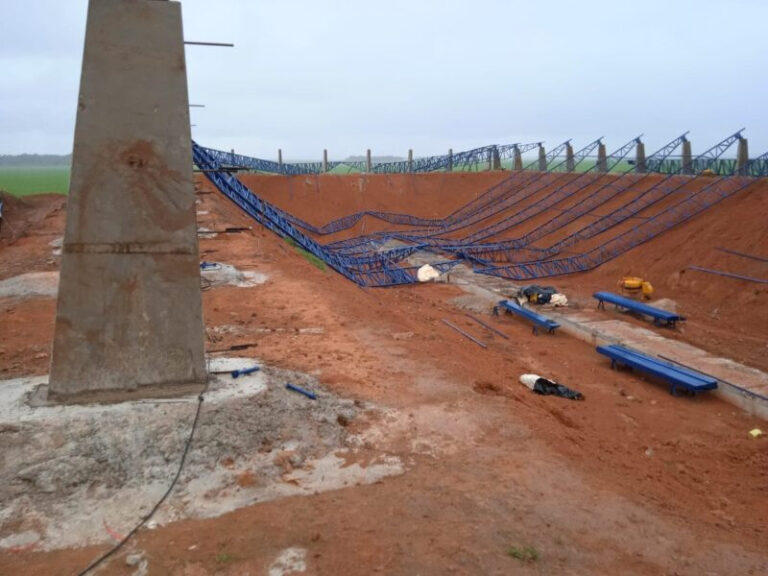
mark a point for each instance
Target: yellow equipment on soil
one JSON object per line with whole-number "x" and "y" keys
{"x": 634, "y": 286}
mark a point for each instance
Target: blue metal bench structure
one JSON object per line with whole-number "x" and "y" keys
{"x": 659, "y": 316}
{"x": 539, "y": 321}
{"x": 676, "y": 376}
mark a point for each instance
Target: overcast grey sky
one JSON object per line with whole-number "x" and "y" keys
{"x": 426, "y": 74}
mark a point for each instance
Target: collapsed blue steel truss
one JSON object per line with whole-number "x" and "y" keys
{"x": 472, "y": 159}
{"x": 467, "y": 234}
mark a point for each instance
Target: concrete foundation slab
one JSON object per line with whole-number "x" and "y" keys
{"x": 129, "y": 312}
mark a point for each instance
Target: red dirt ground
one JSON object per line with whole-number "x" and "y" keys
{"x": 630, "y": 481}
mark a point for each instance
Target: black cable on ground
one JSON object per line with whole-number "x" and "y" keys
{"x": 151, "y": 513}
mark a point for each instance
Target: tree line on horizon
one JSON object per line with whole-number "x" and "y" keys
{"x": 28, "y": 160}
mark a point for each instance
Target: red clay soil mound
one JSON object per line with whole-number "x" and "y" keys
{"x": 21, "y": 214}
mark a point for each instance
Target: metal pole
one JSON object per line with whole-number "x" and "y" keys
{"x": 728, "y": 274}
{"x": 491, "y": 328}
{"x": 222, "y": 44}
{"x": 460, "y": 331}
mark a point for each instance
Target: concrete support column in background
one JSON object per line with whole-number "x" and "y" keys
{"x": 640, "y": 165}
{"x": 410, "y": 160}
{"x": 518, "y": 162}
{"x": 368, "y": 163}
{"x": 280, "y": 158}
{"x": 542, "y": 159}
{"x": 325, "y": 161}
{"x": 742, "y": 156}
{"x": 602, "y": 158}
{"x": 570, "y": 164}
{"x": 129, "y": 319}
{"x": 687, "y": 157}
{"x": 495, "y": 160}
{"x": 450, "y": 160}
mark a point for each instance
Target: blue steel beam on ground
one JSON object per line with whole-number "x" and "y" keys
{"x": 543, "y": 180}
{"x": 375, "y": 269}
{"x": 489, "y": 251}
{"x": 523, "y": 214}
{"x": 682, "y": 211}
{"x": 515, "y": 181}
{"x": 729, "y": 274}
{"x": 662, "y": 189}
{"x": 510, "y": 250}
{"x": 488, "y": 203}
{"x": 743, "y": 255}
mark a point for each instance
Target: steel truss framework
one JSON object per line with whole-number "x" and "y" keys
{"x": 469, "y": 233}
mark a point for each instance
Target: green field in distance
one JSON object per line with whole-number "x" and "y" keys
{"x": 23, "y": 181}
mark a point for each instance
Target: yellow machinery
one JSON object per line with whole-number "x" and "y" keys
{"x": 635, "y": 286}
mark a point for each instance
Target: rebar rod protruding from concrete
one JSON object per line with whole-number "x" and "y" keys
{"x": 368, "y": 163}
{"x": 325, "y": 161}
{"x": 570, "y": 164}
{"x": 450, "y": 159}
{"x": 687, "y": 157}
{"x": 640, "y": 165}
{"x": 518, "y": 162}
{"x": 280, "y": 158}
{"x": 742, "y": 156}
{"x": 410, "y": 160}
{"x": 219, "y": 44}
{"x": 542, "y": 159}
{"x": 602, "y": 158}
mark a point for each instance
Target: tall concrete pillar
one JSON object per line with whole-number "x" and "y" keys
{"x": 450, "y": 159}
{"x": 687, "y": 157}
{"x": 542, "y": 159}
{"x": 410, "y": 160}
{"x": 518, "y": 159}
{"x": 280, "y": 158}
{"x": 742, "y": 156}
{"x": 640, "y": 165}
{"x": 602, "y": 158}
{"x": 570, "y": 164}
{"x": 129, "y": 317}
{"x": 368, "y": 163}
{"x": 494, "y": 160}
{"x": 325, "y": 161}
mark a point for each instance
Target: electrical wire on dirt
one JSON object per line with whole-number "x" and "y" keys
{"x": 151, "y": 513}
